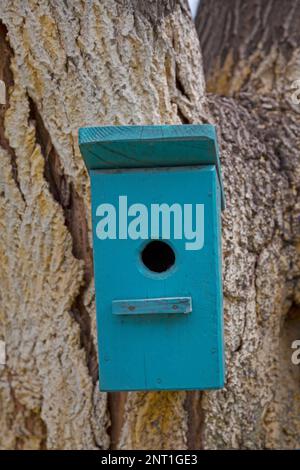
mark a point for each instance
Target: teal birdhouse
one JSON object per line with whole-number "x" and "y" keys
{"x": 156, "y": 213}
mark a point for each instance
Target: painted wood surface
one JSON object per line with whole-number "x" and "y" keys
{"x": 160, "y": 306}
{"x": 159, "y": 352}
{"x": 142, "y": 346}
{"x": 110, "y": 147}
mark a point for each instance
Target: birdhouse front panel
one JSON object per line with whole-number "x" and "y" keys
{"x": 158, "y": 278}
{"x": 157, "y": 258}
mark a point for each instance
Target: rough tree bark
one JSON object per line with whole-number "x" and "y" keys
{"x": 251, "y": 55}
{"x": 69, "y": 64}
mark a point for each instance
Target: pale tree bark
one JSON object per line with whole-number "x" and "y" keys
{"x": 70, "y": 64}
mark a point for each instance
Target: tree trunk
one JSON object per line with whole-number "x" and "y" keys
{"x": 66, "y": 65}
{"x": 251, "y": 55}
{"x": 71, "y": 64}
{"x": 250, "y": 45}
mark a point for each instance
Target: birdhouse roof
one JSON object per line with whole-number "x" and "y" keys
{"x": 120, "y": 147}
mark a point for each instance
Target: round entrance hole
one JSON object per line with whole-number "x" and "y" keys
{"x": 158, "y": 256}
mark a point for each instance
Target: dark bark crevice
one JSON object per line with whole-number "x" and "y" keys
{"x": 116, "y": 407}
{"x": 64, "y": 193}
{"x": 179, "y": 83}
{"x": 183, "y": 119}
{"x": 6, "y": 75}
{"x": 195, "y": 413}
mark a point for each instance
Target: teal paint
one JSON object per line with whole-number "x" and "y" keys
{"x": 112, "y": 147}
{"x": 144, "y": 342}
{"x": 172, "y": 305}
